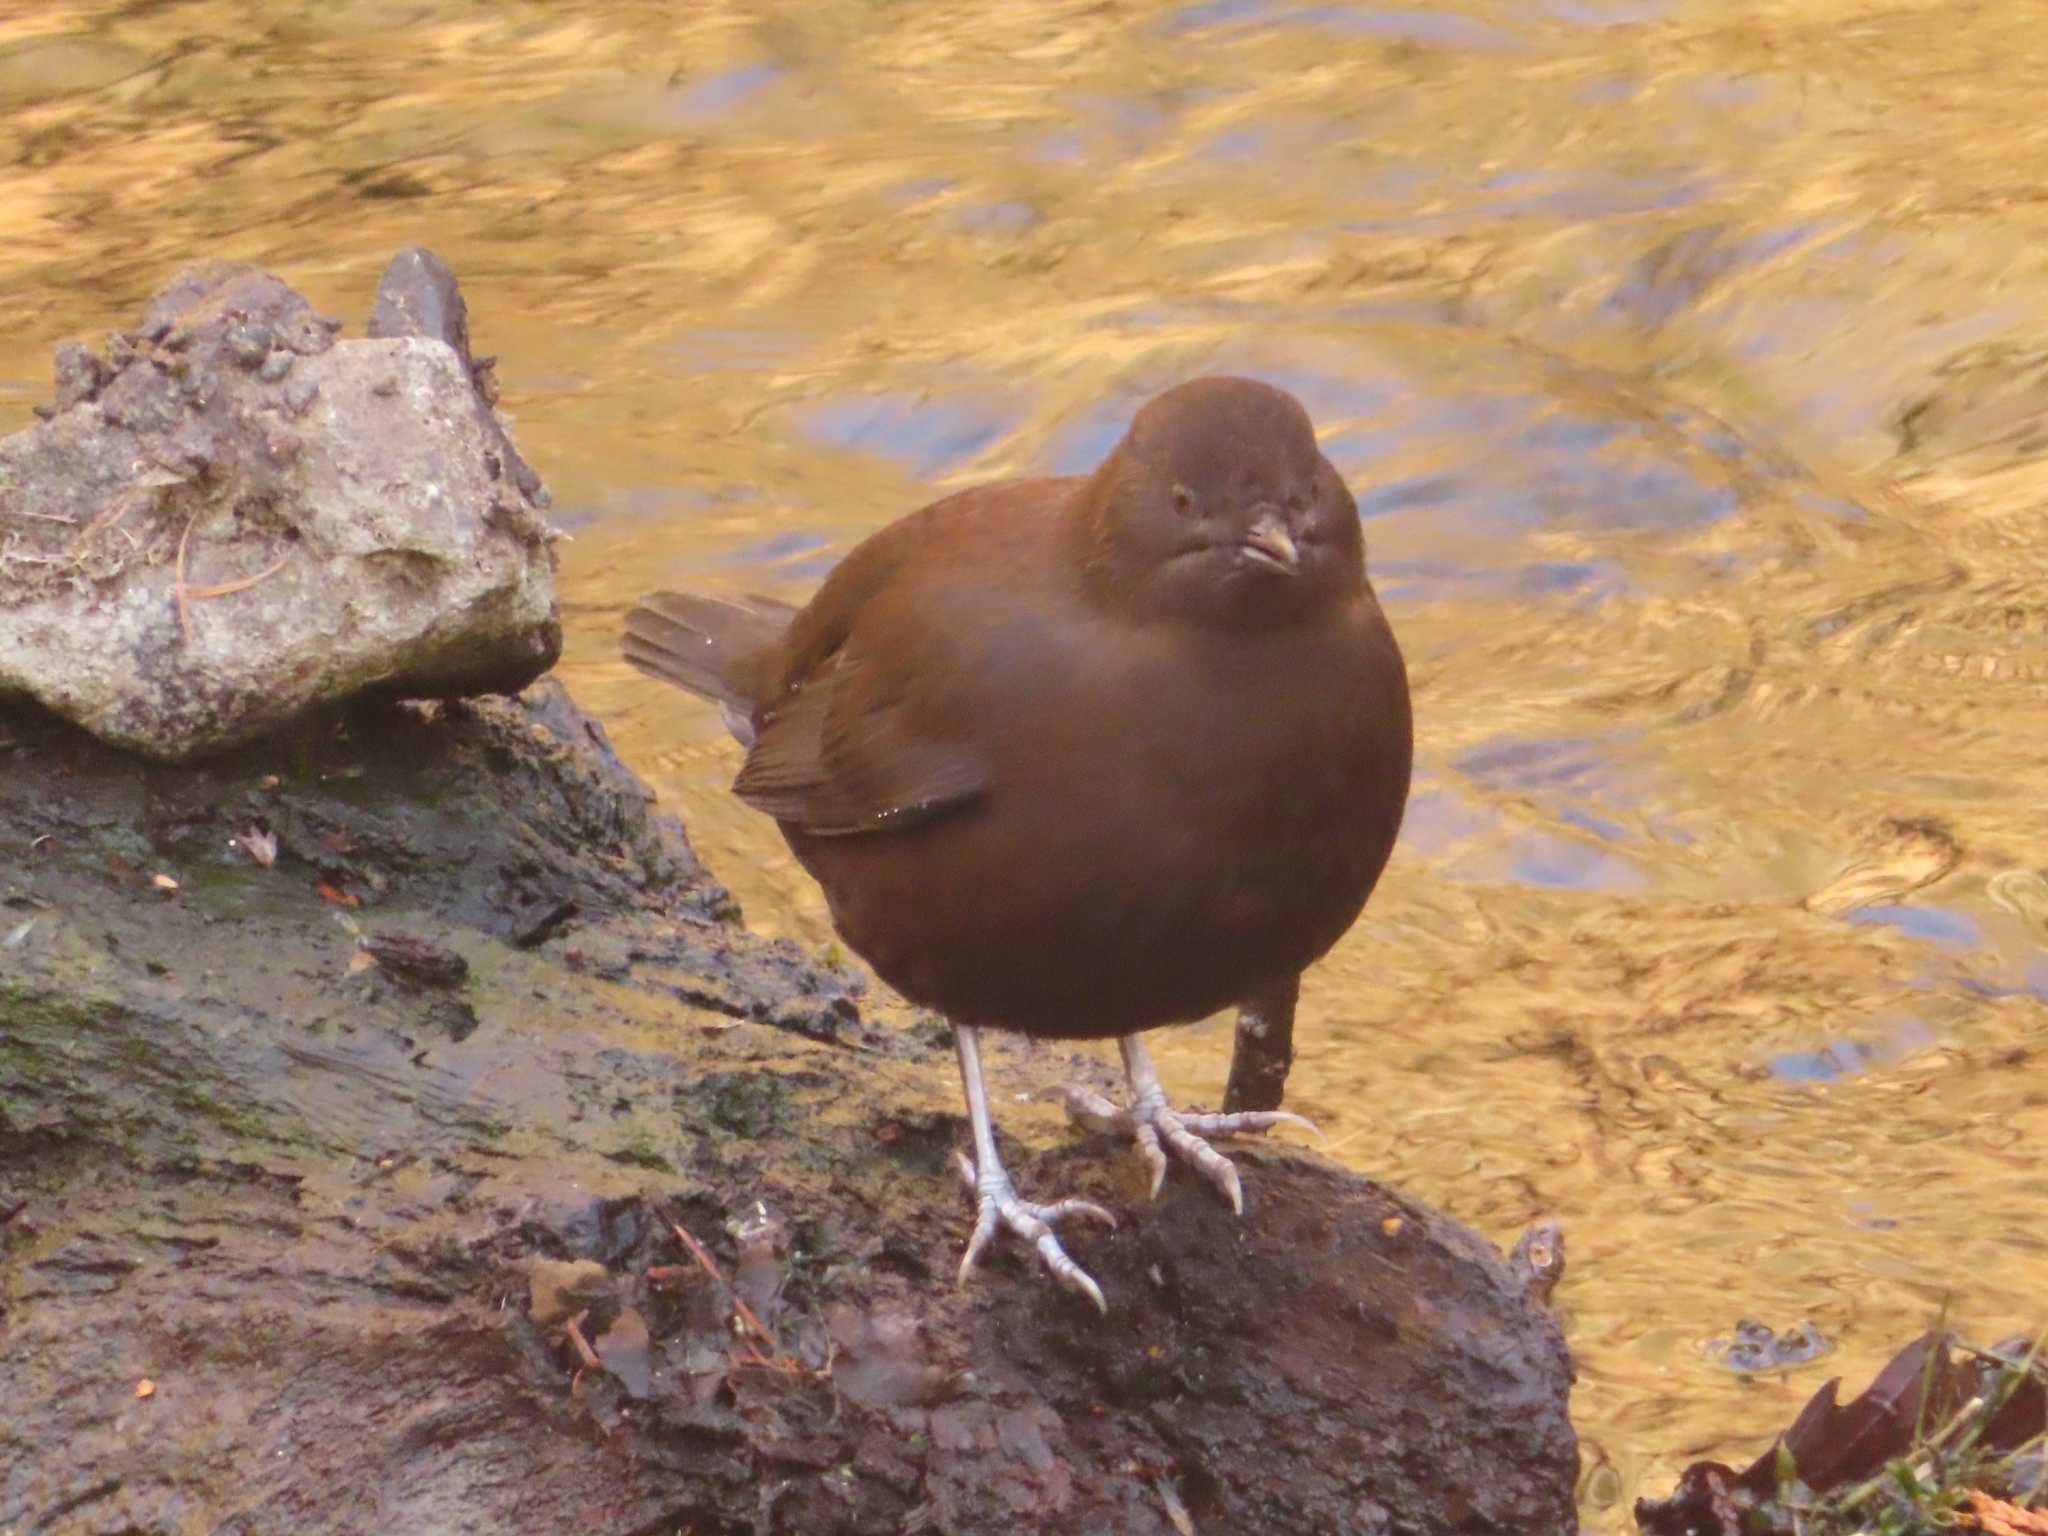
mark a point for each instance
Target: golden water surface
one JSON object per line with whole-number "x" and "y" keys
{"x": 1687, "y": 358}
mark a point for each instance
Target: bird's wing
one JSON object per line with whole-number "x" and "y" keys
{"x": 839, "y": 756}
{"x": 853, "y": 735}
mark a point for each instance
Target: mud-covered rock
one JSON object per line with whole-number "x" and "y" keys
{"x": 232, "y": 518}
{"x": 665, "y": 1240}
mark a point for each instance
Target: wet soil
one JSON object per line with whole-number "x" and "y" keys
{"x": 398, "y": 1131}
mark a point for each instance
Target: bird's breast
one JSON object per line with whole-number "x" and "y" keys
{"x": 1170, "y": 825}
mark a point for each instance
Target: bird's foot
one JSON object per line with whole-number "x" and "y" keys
{"x": 1158, "y": 1129}
{"x": 997, "y": 1204}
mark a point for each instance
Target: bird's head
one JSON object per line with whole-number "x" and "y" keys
{"x": 1217, "y": 507}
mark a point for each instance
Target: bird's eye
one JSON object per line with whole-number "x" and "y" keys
{"x": 1183, "y": 500}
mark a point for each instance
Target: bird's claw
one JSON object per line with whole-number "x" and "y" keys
{"x": 1159, "y": 1129}
{"x": 997, "y": 1204}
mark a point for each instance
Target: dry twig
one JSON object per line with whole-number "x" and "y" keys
{"x": 745, "y": 1320}
{"x": 178, "y": 580}
{"x": 186, "y": 593}
{"x": 240, "y": 584}
{"x": 583, "y": 1350}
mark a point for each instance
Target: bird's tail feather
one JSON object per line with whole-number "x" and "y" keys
{"x": 710, "y": 646}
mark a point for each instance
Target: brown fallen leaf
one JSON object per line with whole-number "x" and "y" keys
{"x": 628, "y": 1352}
{"x": 1832, "y": 1444}
{"x": 338, "y": 897}
{"x": 2000, "y": 1518}
{"x": 145, "y": 1388}
{"x": 261, "y": 844}
{"x": 556, "y": 1288}
{"x": 163, "y": 882}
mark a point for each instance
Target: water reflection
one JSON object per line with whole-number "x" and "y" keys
{"x": 717, "y": 95}
{"x": 1950, "y": 930}
{"x": 1684, "y": 358}
{"x": 1427, "y": 28}
{"x": 925, "y": 433}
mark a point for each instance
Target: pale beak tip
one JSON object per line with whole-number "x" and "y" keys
{"x": 1270, "y": 545}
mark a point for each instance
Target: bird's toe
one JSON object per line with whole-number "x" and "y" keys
{"x": 997, "y": 1204}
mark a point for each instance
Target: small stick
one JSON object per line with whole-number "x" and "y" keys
{"x": 698, "y": 1252}
{"x": 746, "y": 1315}
{"x": 43, "y": 517}
{"x": 590, "y": 1360}
{"x": 223, "y": 588}
{"x": 748, "y": 1319}
{"x": 117, "y": 509}
{"x": 178, "y": 580}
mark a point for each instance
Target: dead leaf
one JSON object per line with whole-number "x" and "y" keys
{"x": 1831, "y": 1443}
{"x": 1176, "y": 1511}
{"x": 339, "y": 898}
{"x": 627, "y": 1352}
{"x": 261, "y": 845}
{"x": 145, "y": 1388}
{"x": 163, "y": 882}
{"x": 2000, "y": 1518}
{"x": 557, "y": 1287}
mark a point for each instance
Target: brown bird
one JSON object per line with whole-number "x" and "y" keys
{"x": 1080, "y": 757}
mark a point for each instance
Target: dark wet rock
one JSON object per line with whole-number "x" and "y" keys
{"x": 233, "y": 518}
{"x": 655, "y": 1246}
{"x": 1754, "y": 1347}
{"x": 418, "y": 296}
{"x": 422, "y": 962}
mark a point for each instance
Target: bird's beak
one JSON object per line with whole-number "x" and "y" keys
{"x": 1268, "y": 543}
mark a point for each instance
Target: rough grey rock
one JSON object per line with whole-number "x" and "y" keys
{"x": 233, "y": 518}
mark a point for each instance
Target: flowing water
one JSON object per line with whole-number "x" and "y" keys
{"x": 1688, "y": 359}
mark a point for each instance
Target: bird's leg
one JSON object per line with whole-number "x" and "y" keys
{"x": 1159, "y": 1129}
{"x": 996, "y": 1199}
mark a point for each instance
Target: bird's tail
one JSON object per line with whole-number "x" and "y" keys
{"x": 711, "y": 646}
